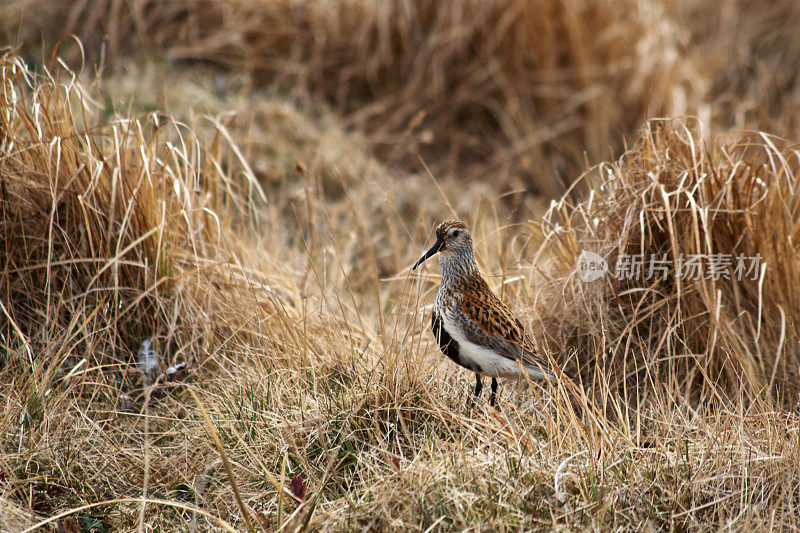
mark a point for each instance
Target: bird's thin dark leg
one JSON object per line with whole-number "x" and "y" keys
{"x": 478, "y": 385}
{"x": 494, "y": 392}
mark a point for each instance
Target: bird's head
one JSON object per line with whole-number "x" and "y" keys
{"x": 452, "y": 239}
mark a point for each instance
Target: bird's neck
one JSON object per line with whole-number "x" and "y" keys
{"x": 456, "y": 268}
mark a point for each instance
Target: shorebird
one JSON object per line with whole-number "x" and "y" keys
{"x": 473, "y": 327}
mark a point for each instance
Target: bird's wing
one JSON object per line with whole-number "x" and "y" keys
{"x": 487, "y": 321}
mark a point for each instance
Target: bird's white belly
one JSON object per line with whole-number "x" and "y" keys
{"x": 491, "y": 363}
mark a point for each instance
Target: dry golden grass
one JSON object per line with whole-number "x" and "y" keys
{"x": 261, "y": 232}
{"x": 517, "y": 93}
{"x": 750, "y": 50}
{"x": 670, "y": 198}
{"x": 304, "y": 375}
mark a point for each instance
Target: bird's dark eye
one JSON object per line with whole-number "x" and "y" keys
{"x": 456, "y": 233}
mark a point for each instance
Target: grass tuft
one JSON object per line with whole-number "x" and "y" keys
{"x": 731, "y": 208}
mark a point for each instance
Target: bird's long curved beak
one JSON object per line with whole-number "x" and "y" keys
{"x": 435, "y": 248}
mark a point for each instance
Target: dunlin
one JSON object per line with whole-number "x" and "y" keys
{"x": 473, "y": 326}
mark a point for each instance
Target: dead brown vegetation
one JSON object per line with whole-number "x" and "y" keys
{"x": 750, "y": 52}
{"x": 261, "y": 234}
{"x": 697, "y": 333}
{"x": 516, "y": 93}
